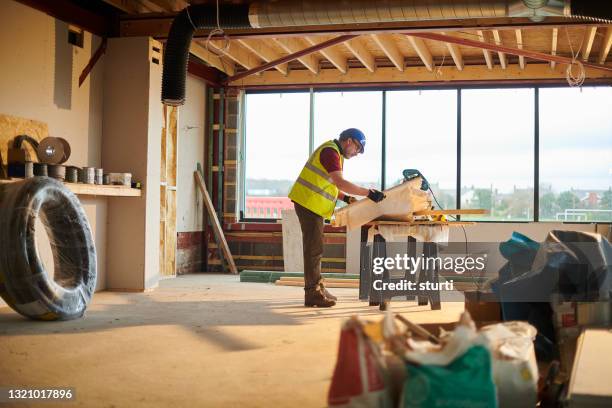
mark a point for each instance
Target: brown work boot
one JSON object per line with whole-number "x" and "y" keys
{"x": 316, "y": 297}
{"x": 326, "y": 292}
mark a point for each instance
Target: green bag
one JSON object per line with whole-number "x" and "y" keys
{"x": 467, "y": 382}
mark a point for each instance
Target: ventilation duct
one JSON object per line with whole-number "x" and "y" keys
{"x": 297, "y": 13}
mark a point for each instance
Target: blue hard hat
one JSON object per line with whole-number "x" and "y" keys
{"x": 355, "y": 134}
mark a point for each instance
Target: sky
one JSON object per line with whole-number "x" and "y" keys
{"x": 497, "y": 135}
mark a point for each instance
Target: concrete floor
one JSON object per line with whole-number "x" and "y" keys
{"x": 197, "y": 341}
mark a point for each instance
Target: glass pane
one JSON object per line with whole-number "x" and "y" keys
{"x": 276, "y": 137}
{"x": 497, "y": 155}
{"x": 336, "y": 111}
{"x": 422, "y": 135}
{"x": 576, "y": 154}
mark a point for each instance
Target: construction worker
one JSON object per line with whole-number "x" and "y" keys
{"x": 314, "y": 195}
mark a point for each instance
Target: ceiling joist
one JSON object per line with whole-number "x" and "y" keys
{"x": 211, "y": 58}
{"x": 360, "y": 52}
{"x": 519, "y": 45}
{"x": 422, "y": 51}
{"x": 331, "y": 54}
{"x": 501, "y": 55}
{"x": 292, "y": 46}
{"x": 265, "y": 52}
{"x": 605, "y": 46}
{"x": 455, "y": 54}
{"x": 387, "y": 44}
{"x": 486, "y": 53}
{"x": 589, "y": 38}
{"x": 553, "y": 47}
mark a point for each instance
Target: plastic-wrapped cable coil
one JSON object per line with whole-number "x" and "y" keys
{"x": 24, "y": 282}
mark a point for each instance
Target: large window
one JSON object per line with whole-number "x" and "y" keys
{"x": 276, "y": 145}
{"x": 336, "y": 111}
{"x": 492, "y": 135}
{"x": 576, "y": 154}
{"x": 497, "y": 152}
{"x": 422, "y": 134}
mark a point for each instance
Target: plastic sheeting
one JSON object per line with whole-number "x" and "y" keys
{"x": 400, "y": 202}
{"x": 25, "y": 284}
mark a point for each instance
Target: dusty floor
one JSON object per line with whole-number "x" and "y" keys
{"x": 196, "y": 341}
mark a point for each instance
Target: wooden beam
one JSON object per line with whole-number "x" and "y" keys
{"x": 486, "y": 53}
{"x": 361, "y": 53}
{"x": 170, "y": 5}
{"x": 265, "y": 52}
{"x": 151, "y": 6}
{"x": 238, "y": 54}
{"x": 210, "y": 75}
{"x": 455, "y": 54}
{"x": 553, "y": 46}
{"x": 92, "y": 62}
{"x": 212, "y": 59}
{"x": 509, "y": 50}
{"x": 501, "y": 55}
{"x": 332, "y": 54}
{"x": 519, "y": 45}
{"x": 293, "y": 46}
{"x": 589, "y": 37}
{"x": 127, "y": 6}
{"x": 386, "y": 43}
{"x": 422, "y": 50}
{"x": 415, "y": 76}
{"x": 297, "y": 55}
{"x": 605, "y": 46}
{"x": 69, "y": 12}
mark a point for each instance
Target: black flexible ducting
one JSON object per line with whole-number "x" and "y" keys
{"x": 25, "y": 284}
{"x": 176, "y": 53}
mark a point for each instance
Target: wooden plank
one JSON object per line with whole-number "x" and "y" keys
{"x": 422, "y": 51}
{"x": 171, "y": 146}
{"x": 293, "y": 45}
{"x": 93, "y": 189}
{"x": 238, "y": 54}
{"x": 449, "y": 223}
{"x": 519, "y": 45}
{"x": 214, "y": 60}
{"x": 265, "y": 52}
{"x": 215, "y": 222}
{"x": 169, "y": 268}
{"x": 456, "y": 55}
{"x": 331, "y": 53}
{"x": 486, "y": 53}
{"x": 501, "y": 55}
{"x": 387, "y": 44}
{"x": 447, "y": 212}
{"x": 327, "y": 280}
{"x": 589, "y": 38}
{"x": 11, "y": 126}
{"x": 361, "y": 53}
{"x": 605, "y": 46}
{"x": 553, "y": 46}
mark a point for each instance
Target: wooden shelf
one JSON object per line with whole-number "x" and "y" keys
{"x": 93, "y": 189}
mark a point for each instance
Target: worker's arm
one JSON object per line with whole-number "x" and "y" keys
{"x": 345, "y": 186}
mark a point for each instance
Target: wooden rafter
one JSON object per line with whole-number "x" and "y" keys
{"x": 486, "y": 53}
{"x": 265, "y": 52}
{"x": 515, "y": 51}
{"x": 422, "y": 51}
{"x": 501, "y": 55}
{"x": 361, "y": 53}
{"x": 386, "y": 43}
{"x": 332, "y": 54}
{"x": 151, "y": 6}
{"x": 293, "y": 45}
{"x": 455, "y": 54}
{"x": 553, "y": 46}
{"x": 605, "y": 46}
{"x": 212, "y": 59}
{"x": 127, "y": 6}
{"x": 170, "y": 5}
{"x": 239, "y": 54}
{"x": 590, "y": 37}
{"x": 519, "y": 45}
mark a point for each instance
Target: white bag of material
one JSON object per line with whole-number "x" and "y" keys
{"x": 515, "y": 370}
{"x": 400, "y": 202}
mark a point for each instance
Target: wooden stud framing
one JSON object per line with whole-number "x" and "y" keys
{"x": 388, "y": 46}
{"x": 422, "y": 50}
{"x": 590, "y": 37}
{"x": 486, "y": 53}
{"x": 553, "y": 46}
{"x": 265, "y": 52}
{"x": 361, "y": 53}
{"x": 212, "y": 59}
{"x": 502, "y": 56}
{"x": 605, "y": 46}
{"x": 519, "y": 45}
{"x": 332, "y": 54}
{"x": 293, "y": 45}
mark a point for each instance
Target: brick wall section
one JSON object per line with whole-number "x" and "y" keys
{"x": 230, "y": 174}
{"x": 189, "y": 252}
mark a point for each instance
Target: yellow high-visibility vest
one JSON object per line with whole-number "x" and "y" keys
{"x": 313, "y": 188}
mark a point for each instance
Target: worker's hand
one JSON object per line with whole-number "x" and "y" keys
{"x": 376, "y": 196}
{"x": 349, "y": 199}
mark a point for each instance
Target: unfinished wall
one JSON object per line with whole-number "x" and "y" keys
{"x": 189, "y": 207}
{"x": 39, "y": 73}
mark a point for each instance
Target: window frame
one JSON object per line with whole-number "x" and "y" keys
{"x": 312, "y": 91}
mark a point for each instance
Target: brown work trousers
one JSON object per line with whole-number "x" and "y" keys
{"x": 312, "y": 241}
